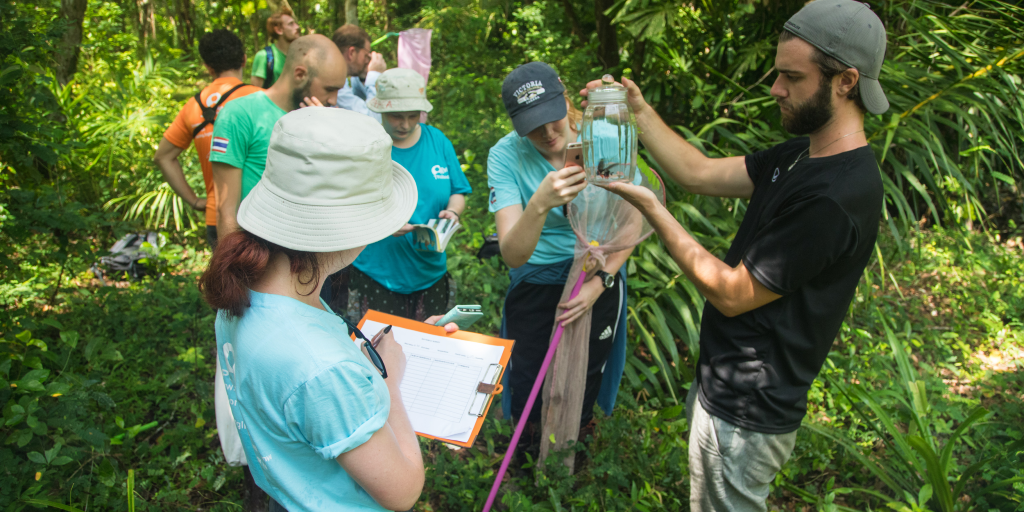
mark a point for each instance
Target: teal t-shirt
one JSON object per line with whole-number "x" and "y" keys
{"x": 259, "y": 64}
{"x": 241, "y": 136}
{"x": 393, "y": 261}
{"x": 514, "y": 171}
{"x": 302, "y": 393}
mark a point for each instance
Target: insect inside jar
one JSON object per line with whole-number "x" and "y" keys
{"x": 605, "y": 170}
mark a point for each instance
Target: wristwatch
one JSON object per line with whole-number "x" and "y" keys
{"x": 607, "y": 279}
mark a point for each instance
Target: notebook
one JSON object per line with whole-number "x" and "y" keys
{"x": 434, "y": 235}
{"x": 441, "y": 389}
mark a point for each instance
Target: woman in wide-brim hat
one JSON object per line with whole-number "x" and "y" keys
{"x": 321, "y": 421}
{"x": 399, "y": 275}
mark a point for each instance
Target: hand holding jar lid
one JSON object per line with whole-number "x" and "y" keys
{"x": 609, "y": 134}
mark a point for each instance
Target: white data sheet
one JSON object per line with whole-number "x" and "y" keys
{"x": 441, "y": 375}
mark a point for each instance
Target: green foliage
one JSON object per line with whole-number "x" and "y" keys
{"x": 121, "y": 383}
{"x": 131, "y": 366}
{"x": 888, "y": 396}
{"x": 31, "y": 131}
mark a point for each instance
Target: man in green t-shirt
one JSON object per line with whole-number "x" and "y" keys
{"x": 282, "y": 30}
{"x": 314, "y": 71}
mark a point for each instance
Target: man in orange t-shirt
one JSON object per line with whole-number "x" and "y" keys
{"x": 223, "y": 55}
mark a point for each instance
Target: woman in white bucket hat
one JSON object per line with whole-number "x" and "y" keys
{"x": 323, "y": 420}
{"x": 393, "y": 275}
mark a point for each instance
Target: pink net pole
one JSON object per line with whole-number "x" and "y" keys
{"x": 537, "y": 384}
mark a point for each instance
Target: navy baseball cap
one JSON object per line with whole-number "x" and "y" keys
{"x": 533, "y": 96}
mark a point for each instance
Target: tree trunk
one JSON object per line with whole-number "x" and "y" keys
{"x": 186, "y": 23}
{"x": 339, "y": 12}
{"x": 608, "y": 41}
{"x": 574, "y": 22}
{"x": 147, "y": 25}
{"x": 67, "y": 55}
{"x": 352, "y": 12}
{"x": 638, "y": 56}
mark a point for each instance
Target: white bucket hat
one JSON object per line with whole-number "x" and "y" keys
{"x": 329, "y": 184}
{"x": 400, "y": 90}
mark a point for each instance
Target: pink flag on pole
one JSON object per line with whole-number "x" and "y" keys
{"x": 414, "y": 50}
{"x": 414, "y": 54}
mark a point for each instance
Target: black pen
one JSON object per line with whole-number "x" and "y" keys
{"x": 380, "y": 336}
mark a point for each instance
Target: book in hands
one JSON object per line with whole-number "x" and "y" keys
{"x": 434, "y": 235}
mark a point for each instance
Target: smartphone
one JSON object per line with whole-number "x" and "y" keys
{"x": 574, "y": 154}
{"x": 462, "y": 316}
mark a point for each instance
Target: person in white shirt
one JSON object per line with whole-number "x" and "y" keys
{"x": 364, "y": 66}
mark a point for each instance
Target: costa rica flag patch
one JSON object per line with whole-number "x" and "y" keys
{"x": 219, "y": 144}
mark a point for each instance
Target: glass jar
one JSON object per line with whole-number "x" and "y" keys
{"x": 609, "y": 134}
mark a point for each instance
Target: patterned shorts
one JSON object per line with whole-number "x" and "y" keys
{"x": 364, "y": 294}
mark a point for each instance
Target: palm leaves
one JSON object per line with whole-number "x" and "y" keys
{"x": 952, "y": 143}
{"x": 949, "y": 150}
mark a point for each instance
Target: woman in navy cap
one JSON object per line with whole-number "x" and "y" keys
{"x": 530, "y": 183}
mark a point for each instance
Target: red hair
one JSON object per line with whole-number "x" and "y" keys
{"x": 274, "y": 21}
{"x": 241, "y": 260}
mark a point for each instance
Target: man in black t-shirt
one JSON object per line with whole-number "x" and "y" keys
{"x": 776, "y": 303}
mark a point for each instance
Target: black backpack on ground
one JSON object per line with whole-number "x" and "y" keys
{"x": 210, "y": 113}
{"x": 125, "y": 256}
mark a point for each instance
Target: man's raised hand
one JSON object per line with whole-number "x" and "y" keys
{"x": 633, "y": 94}
{"x": 377, "y": 63}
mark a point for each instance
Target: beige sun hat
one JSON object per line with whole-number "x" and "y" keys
{"x": 400, "y": 90}
{"x": 329, "y": 184}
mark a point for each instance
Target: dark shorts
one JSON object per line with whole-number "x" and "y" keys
{"x": 211, "y": 236}
{"x": 364, "y": 294}
{"x": 529, "y": 317}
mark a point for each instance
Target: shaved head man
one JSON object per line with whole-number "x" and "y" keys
{"x": 312, "y": 75}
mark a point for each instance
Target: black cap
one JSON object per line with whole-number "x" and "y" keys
{"x": 533, "y": 97}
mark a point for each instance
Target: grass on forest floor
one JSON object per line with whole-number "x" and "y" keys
{"x": 144, "y": 354}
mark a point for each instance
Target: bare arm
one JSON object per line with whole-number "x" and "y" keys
{"x": 519, "y": 228}
{"x": 257, "y": 81}
{"x": 732, "y": 290}
{"x": 457, "y": 204}
{"x": 227, "y": 181}
{"x": 685, "y": 164}
{"x": 166, "y": 158}
{"x": 390, "y": 465}
{"x": 592, "y": 289}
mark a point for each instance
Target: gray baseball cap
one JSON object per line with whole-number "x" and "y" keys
{"x": 849, "y": 32}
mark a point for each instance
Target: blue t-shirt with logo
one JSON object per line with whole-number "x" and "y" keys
{"x": 302, "y": 393}
{"x": 394, "y": 262}
{"x": 514, "y": 171}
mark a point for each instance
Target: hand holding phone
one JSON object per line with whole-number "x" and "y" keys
{"x": 462, "y": 316}
{"x": 574, "y": 154}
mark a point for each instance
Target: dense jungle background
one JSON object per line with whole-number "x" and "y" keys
{"x": 106, "y": 386}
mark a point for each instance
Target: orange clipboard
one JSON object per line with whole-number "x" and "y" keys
{"x": 435, "y": 330}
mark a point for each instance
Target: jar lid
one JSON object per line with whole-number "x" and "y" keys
{"x": 608, "y": 91}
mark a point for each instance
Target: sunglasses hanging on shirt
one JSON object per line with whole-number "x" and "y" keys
{"x": 375, "y": 358}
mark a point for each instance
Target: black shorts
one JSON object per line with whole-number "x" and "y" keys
{"x": 529, "y": 319}
{"x": 211, "y": 236}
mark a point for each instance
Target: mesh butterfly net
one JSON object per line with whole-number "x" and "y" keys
{"x": 604, "y": 224}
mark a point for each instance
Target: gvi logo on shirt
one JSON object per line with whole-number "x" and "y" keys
{"x": 440, "y": 173}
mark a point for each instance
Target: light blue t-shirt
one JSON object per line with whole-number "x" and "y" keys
{"x": 394, "y": 262}
{"x": 514, "y": 171}
{"x": 302, "y": 393}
